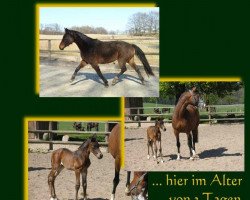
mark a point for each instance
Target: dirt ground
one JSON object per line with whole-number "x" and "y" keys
{"x": 220, "y": 148}
{"x": 55, "y": 81}
{"x": 99, "y": 180}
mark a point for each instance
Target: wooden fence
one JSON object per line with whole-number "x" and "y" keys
{"x": 211, "y": 114}
{"x": 51, "y": 142}
{"x": 50, "y": 51}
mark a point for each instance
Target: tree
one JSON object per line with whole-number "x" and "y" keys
{"x": 209, "y": 90}
{"x": 143, "y": 23}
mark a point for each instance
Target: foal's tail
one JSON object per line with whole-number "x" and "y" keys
{"x": 140, "y": 54}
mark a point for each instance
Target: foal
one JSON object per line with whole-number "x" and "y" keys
{"x": 77, "y": 161}
{"x": 154, "y": 135}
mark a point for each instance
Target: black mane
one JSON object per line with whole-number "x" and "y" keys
{"x": 82, "y": 37}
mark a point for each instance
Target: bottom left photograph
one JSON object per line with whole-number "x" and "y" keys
{"x": 78, "y": 159}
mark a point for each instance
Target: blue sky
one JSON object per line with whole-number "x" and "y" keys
{"x": 109, "y": 18}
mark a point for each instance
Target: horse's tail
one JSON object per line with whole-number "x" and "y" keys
{"x": 140, "y": 54}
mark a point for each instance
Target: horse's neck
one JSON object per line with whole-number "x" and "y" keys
{"x": 83, "y": 150}
{"x": 83, "y": 41}
{"x": 181, "y": 108}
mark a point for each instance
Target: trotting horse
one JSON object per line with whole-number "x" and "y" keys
{"x": 96, "y": 52}
{"x": 186, "y": 119}
{"x": 115, "y": 151}
{"x": 154, "y": 136}
{"x": 138, "y": 188}
{"x": 77, "y": 161}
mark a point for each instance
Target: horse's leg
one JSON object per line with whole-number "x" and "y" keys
{"x": 189, "y": 141}
{"x": 81, "y": 65}
{"x": 148, "y": 144}
{"x": 98, "y": 71}
{"x": 84, "y": 183}
{"x": 51, "y": 180}
{"x": 160, "y": 150}
{"x": 195, "y": 139}
{"x": 178, "y": 144}
{"x": 123, "y": 67}
{"x": 128, "y": 183}
{"x": 77, "y": 185}
{"x": 155, "y": 149}
{"x": 136, "y": 68}
{"x": 116, "y": 179}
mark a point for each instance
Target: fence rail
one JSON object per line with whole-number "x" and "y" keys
{"x": 52, "y": 142}
{"x": 211, "y": 114}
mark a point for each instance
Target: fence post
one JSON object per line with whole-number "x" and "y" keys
{"x": 209, "y": 115}
{"x": 139, "y": 117}
{"x": 49, "y": 49}
{"x": 50, "y": 136}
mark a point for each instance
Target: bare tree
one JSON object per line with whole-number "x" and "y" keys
{"x": 143, "y": 23}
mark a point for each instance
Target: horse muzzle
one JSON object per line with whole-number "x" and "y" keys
{"x": 99, "y": 155}
{"x": 61, "y": 46}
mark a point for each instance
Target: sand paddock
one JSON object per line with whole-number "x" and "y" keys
{"x": 220, "y": 148}
{"x": 99, "y": 180}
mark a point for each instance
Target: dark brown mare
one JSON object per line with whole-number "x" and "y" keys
{"x": 138, "y": 188}
{"x": 96, "y": 52}
{"x": 186, "y": 119}
{"x": 154, "y": 136}
{"x": 115, "y": 151}
{"x": 77, "y": 161}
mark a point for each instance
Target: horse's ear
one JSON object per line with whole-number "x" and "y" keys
{"x": 66, "y": 30}
{"x": 194, "y": 89}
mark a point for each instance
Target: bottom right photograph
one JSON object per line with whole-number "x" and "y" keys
{"x": 191, "y": 126}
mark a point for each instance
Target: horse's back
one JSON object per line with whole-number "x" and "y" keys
{"x": 114, "y": 141}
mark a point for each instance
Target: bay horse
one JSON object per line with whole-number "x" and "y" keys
{"x": 186, "y": 119}
{"x": 96, "y": 52}
{"x": 138, "y": 188}
{"x": 115, "y": 151}
{"x": 77, "y": 161}
{"x": 154, "y": 136}
{"x": 91, "y": 125}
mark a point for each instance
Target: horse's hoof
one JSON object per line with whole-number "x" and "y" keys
{"x": 191, "y": 158}
{"x": 143, "y": 83}
{"x": 106, "y": 85}
{"x": 127, "y": 191}
{"x": 148, "y": 157}
{"x": 162, "y": 161}
{"x": 112, "y": 197}
{"x": 115, "y": 80}
{"x": 51, "y": 198}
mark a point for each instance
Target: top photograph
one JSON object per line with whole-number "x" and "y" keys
{"x": 97, "y": 51}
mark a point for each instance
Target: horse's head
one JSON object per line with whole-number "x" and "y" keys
{"x": 193, "y": 97}
{"x": 94, "y": 147}
{"x": 67, "y": 39}
{"x": 160, "y": 124}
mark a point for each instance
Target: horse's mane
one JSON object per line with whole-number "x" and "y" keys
{"x": 81, "y": 36}
{"x": 84, "y": 144}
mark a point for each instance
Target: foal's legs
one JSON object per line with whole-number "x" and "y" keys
{"x": 98, "y": 71}
{"x": 178, "y": 144}
{"x": 81, "y": 65}
{"x": 123, "y": 67}
{"x": 160, "y": 150}
{"x": 116, "y": 179}
{"x": 189, "y": 140}
{"x": 149, "y": 144}
{"x": 155, "y": 149}
{"x": 136, "y": 68}
{"x": 77, "y": 186}
{"x": 55, "y": 171}
{"x": 84, "y": 183}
